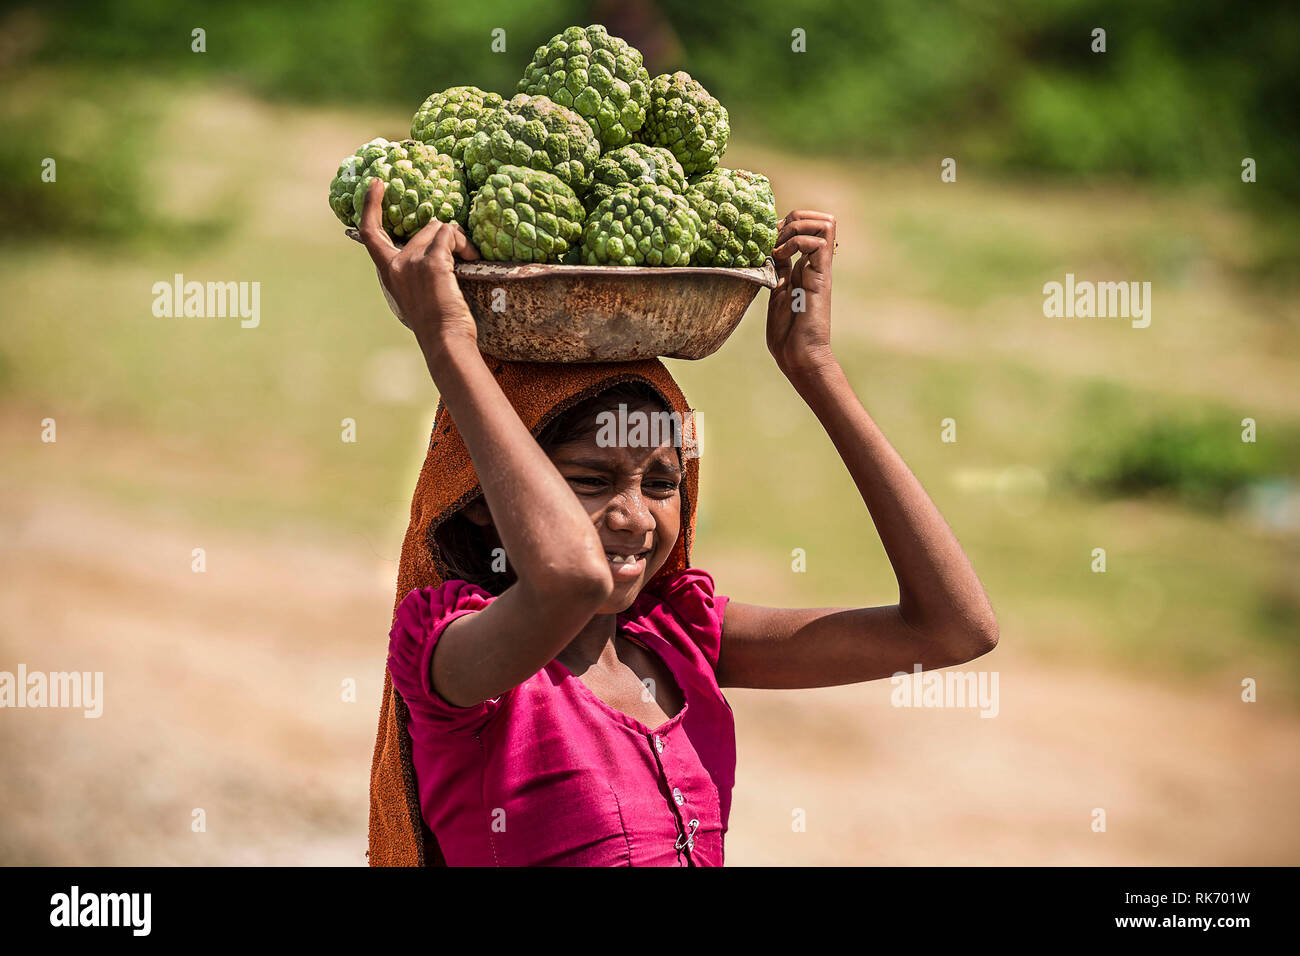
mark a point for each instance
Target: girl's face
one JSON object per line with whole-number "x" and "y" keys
{"x": 633, "y": 494}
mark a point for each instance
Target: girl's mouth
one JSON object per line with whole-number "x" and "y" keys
{"x": 626, "y": 567}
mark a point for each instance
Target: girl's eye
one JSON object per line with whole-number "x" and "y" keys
{"x": 662, "y": 486}
{"x": 587, "y": 481}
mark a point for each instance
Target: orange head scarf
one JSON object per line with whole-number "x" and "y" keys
{"x": 539, "y": 393}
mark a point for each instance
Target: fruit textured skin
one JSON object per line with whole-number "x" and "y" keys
{"x": 760, "y": 183}
{"x": 446, "y": 121}
{"x": 645, "y": 224}
{"x": 686, "y": 120}
{"x": 537, "y": 133}
{"x": 738, "y": 218}
{"x": 598, "y": 76}
{"x": 522, "y": 215}
{"x": 635, "y": 163}
{"x": 421, "y": 186}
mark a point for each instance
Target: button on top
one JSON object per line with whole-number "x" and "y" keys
{"x": 659, "y": 743}
{"x": 677, "y": 797}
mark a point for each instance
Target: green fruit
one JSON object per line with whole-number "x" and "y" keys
{"x": 685, "y": 119}
{"x": 643, "y": 224}
{"x": 344, "y": 185}
{"x": 737, "y": 211}
{"x": 421, "y": 186}
{"x": 636, "y": 163}
{"x": 598, "y": 76}
{"x": 537, "y": 133}
{"x": 757, "y": 181}
{"x": 447, "y": 120}
{"x": 522, "y": 215}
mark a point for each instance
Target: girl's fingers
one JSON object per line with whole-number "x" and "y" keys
{"x": 815, "y": 251}
{"x": 444, "y": 244}
{"x": 451, "y": 240}
{"x": 436, "y": 239}
{"x": 420, "y": 242}
{"x": 806, "y": 227}
{"x": 782, "y": 274}
{"x": 809, "y": 216}
{"x": 820, "y": 260}
{"x": 380, "y": 247}
{"x": 796, "y": 214}
{"x": 808, "y": 245}
{"x": 461, "y": 244}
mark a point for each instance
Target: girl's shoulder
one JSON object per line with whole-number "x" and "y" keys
{"x": 421, "y": 618}
{"x": 682, "y": 605}
{"x": 428, "y": 605}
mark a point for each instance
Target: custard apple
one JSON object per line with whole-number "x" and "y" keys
{"x": 535, "y": 132}
{"x": 421, "y": 186}
{"x": 598, "y": 76}
{"x": 635, "y": 163}
{"x": 642, "y": 224}
{"x": 757, "y": 181}
{"x": 738, "y": 217}
{"x": 447, "y": 120}
{"x": 522, "y": 215}
{"x": 685, "y": 119}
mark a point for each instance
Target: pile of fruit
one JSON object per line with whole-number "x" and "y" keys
{"x": 591, "y": 162}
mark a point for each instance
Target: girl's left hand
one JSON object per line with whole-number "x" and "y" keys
{"x": 800, "y": 341}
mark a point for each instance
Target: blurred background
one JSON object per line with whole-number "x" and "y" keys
{"x": 251, "y": 690}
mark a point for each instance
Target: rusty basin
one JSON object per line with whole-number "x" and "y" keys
{"x": 556, "y": 313}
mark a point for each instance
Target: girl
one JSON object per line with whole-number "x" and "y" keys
{"x": 553, "y": 692}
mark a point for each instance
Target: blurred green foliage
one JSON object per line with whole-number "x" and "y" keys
{"x": 96, "y": 139}
{"x": 102, "y": 131}
{"x": 1193, "y": 453}
{"x": 1184, "y": 91}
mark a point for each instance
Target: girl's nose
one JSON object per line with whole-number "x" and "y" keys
{"x": 627, "y": 511}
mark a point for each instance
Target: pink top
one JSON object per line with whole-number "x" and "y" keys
{"x": 548, "y": 774}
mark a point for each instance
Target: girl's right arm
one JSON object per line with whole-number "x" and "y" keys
{"x": 562, "y": 574}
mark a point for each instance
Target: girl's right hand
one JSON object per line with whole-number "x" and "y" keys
{"x": 418, "y": 279}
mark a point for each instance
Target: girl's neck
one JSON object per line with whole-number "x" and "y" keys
{"x": 591, "y": 644}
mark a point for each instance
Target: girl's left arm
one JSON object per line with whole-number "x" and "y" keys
{"x": 943, "y": 616}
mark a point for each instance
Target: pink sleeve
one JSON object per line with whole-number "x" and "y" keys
{"x": 421, "y": 618}
{"x": 690, "y": 595}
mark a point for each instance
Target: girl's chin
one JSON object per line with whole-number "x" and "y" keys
{"x": 624, "y": 593}
{"x": 629, "y": 581}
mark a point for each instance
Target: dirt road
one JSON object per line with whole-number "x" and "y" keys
{"x": 225, "y": 691}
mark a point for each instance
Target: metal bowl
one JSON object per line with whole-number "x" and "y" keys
{"x": 553, "y": 313}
